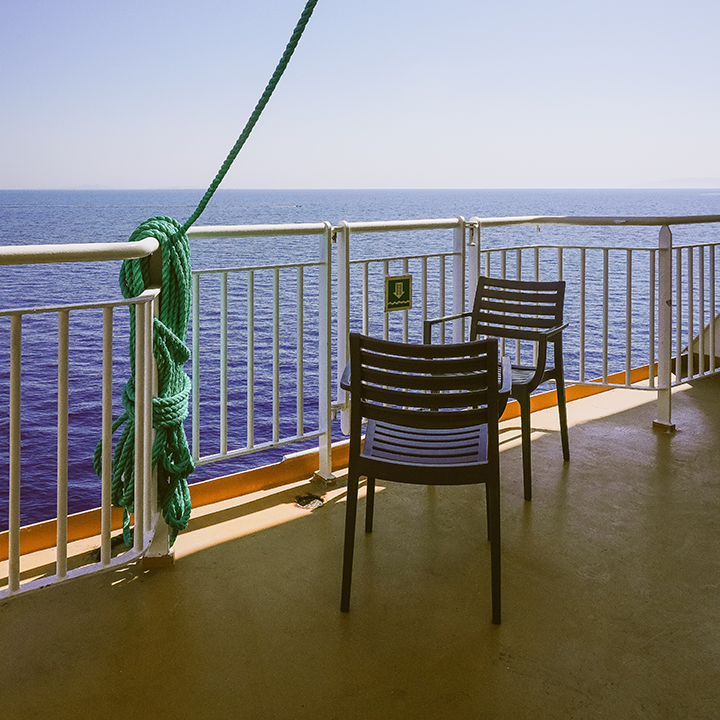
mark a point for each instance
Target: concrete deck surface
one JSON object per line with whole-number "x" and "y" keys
{"x": 611, "y": 596}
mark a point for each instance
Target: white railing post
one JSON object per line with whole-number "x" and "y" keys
{"x": 343, "y": 317}
{"x": 473, "y": 257}
{"x": 458, "y": 298}
{"x": 106, "y": 479}
{"x": 139, "y": 430}
{"x": 664, "y": 299}
{"x": 61, "y": 558}
{"x": 14, "y": 469}
{"x": 324, "y": 472}
{"x": 156, "y": 530}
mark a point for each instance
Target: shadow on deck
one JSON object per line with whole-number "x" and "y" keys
{"x": 611, "y": 595}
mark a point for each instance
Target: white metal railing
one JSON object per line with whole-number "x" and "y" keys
{"x": 691, "y": 330}
{"x": 627, "y": 306}
{"x": 146, "y": 515}
{"x": 145, "y": 504}
{"x": 263, "y": 393}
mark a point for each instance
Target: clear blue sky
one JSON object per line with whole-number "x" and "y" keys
{"x": 380, "y": 93}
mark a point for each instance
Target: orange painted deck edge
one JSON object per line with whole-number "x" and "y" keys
{"x": 42, "y": 536}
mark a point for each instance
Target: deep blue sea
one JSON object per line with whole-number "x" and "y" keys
{"x": 29, "y": 217}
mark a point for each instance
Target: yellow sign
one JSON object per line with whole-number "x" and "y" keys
{"x": 398, "y": 292}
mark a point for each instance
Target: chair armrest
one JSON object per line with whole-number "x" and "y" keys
{"x": 551, "y": 332}
{"x": 427, "y": 325}
{"x": 345, "y": 379}
{"x": 542, "y": 335}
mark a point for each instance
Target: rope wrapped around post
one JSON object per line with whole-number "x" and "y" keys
{"x": 170, "y": 454}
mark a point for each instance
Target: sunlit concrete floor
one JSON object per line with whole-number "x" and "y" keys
{"x": 611, "y": 596}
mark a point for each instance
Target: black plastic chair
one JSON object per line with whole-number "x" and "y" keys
{"x": 432, "y": 419}
{"x": 523, "y": 311}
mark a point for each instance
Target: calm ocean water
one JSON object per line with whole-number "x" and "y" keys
{"x": 29, "y": 217}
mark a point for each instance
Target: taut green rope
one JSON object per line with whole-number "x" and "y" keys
{"x": 170, "y": 454}
{"x": 274, "y": 80}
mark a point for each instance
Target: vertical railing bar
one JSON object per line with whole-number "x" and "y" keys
{"x": 537, "y": 264}
{"x": 518, "y": 276}
{"x": 149, "y": 487}
{"x": 62, "y": 444}
{"x": 561, "y": 269}
{"x": 300, "y": 370}
{"x": 342, "y": 274}
{"x": 664, "y": 391}
{"x": 691, "y": 310}
{"x": 250, "y": 389}
{"x": 628, "y": 317}
{"x": 276, "y": 356}
{"x": 458, "y": 293}
{"x": 582, "y": 313}
{"x": 701, "y": 309}
{"x": 366, "y": 298}
{"x": 651, "y": 323}
{"x": 442, "y": 297}
{"x": 325, "y": 354}
{"x": 678, "y": 314}
{"x": 606, "y": 312}
{"x": 139, "y": 493}
{"x": 195, "y": 386}
{"x": 424, "y": 288}
{"x": 712, "y": 344}
{"x": 106, "y": 475}
{"x": 223, "y": 363}
{"x": 405, "y": 313}
{"x": 15, "y": 455}
{"x": 386, "y": 315}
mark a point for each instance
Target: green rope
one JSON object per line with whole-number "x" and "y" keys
{"x": 274, "y": 80}
{"x": 170, "y": 453}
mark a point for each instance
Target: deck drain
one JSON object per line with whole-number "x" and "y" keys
{"x": 309, "y": 501}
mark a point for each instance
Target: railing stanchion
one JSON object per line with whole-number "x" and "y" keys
{"x": 14, "y": 495}
{"x": 106, "y": 476}
{"x": 62, "y": 446}
{"x": 325, "y": 357}
{"x": 343, "y": 317}
{"x": 458, "y": 298}
{"x": 664, "y": 400}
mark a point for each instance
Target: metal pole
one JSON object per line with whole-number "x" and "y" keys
{"x": 664, "y": 400}
{"x": 324, "y": 472}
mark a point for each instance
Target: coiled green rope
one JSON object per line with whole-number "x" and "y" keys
{"x": 171, "y": 454}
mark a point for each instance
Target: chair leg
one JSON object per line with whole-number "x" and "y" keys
{"x": 525, "y": 424}
{"x": 369, "y": 504}
{"x": 487, "y": 509}
{"x": 493, "y": 492}
{"x": 349, "y": 547}
{"x": 562, "y": 412}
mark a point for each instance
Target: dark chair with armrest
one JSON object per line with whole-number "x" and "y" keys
{"x": 432, "y": 419}
{"x": 523, "y": 311}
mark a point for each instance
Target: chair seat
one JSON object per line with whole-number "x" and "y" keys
{"x": 424, "y": 446}
{"x": 524, "y": 375}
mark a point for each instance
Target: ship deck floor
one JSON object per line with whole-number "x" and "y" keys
{"x": 611, "y": 595}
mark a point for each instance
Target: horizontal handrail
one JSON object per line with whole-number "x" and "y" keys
{"x": 138, "y": 300}
{"x": 76, "y": 252}
{"x": 391, "y": 225}
{"x": 212, "y": 232}
{"x": 648, "y": 221}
